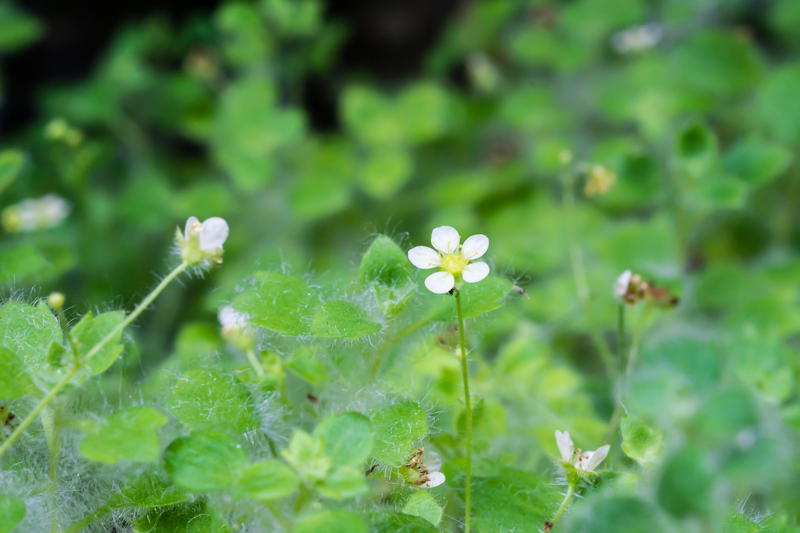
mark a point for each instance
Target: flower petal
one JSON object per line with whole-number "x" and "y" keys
{"x": 213, "y": 234}
{"x": 228, "y": 316}
{"x": 190, "y": 224}
{"x": 445, "y": 239}
{"x": 621, "y": 285}
{"x": 436, "y": 479}
{"x": 565, "y": 445}
{"x": 475, "y": 247}
{"x": 440, "y": 282}
{"x": 424, "y": 257}
{"x": 596, "y": 457}
{"x": 474, "y": 272}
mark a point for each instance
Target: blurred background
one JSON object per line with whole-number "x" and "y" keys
{"x": 584, "y": 137}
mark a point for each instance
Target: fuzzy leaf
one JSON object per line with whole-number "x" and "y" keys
{"x": 278, "y": 302}
{"x": 343, "y": 483}
{"x": 307, "y": 455}
{"x": 90, "y": 331}
{"x": 205, "y": 461}
{"x": 512, "y": 500}
{"x": 423, "y": 505}
{"x": 195, "y": 517}
{"x": 266, "y": 480}
{"x": 304, "y": 363}
{"x": 348, "y": 438}
{"x": 129, "y": 435}
{"x": 333, "y": 521}
{"x": 153, "y": 489}
{"x": 400, "y": 523}
{"x": 28, "y": 331}
{"x": 385, "y": 268}
{"x": 343, "y": 320}
{"x": 14, "y": 380}
{"x": 22, "y": 262}
{"x": 397, "y": 429}
{"x": 210, "y": 400}
{"x": 11, "y": 163}
{"x": 12, "y": 511}
{"x": 642, "y": 442}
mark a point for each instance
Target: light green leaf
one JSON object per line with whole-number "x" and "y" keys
{"x": 307, "y": 455}
{"x": 343, "y": 483}
{"x": 14, "y": 380}
{"x": 371, "y": 117}
{"x": 386, "y": 268}
{"x": 512, "y": 500}
{"x": 425, "y": 110}
{"x": 333, "y": 521}
{"x": 397, "y": 429}
{"x": 12, "y": 511}
{"x": 757, "y": 162}
{"x": 194, "y": 517}
{"x": 423, "y": 505}
{"x": 281, "y": 303}
{"x": 21, "y": 262}
{"x": 29, "y": 331}
{"x": 401, "y": 523}
{"x": 343, "y": 320}
{"x": 266, "y": 480}
{"x": 776, "y": 106}
{"x": 205, "y": 461}
{"x": 90, "y": 331}
{"x": 152, "y": 489}
{"x": 641, "y": 442}
{"x": 385, "y": 171}
{"x": 129, "y": 435}
{"x": 305, "y": 364}
{"x": 11, "y": 163}
{"x": 210, "y": 400}
{"x": 348, "y": 438}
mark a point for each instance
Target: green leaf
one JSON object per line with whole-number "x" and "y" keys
{"x": 129, "y": 435}
{"x": 348, "y": 438}
{"x": 371, "y": 117}
{"x": 343, "y": 483}
{"x": 12, "y": 511}
{"x": 385, "y": 171}
{"x": 425, "y": 111}
{"x": 307, "y": 455}
{"x": 152, "y": 489}
{"x": 194, "y": 517}
{"x": 386, "y": 268}
{"x": 90, "y": 331}
{"x": 14, "y": 380}
{"x": 423, "y": 505}
{"x": 614, "y": 514}
{"x": 22, "y": 262}
{"x": 210, "y": 400}
{"x": 29, "y": 331}
{"x": 400, "y": 523}
{"x": 205, "y": 461}
{"x": 641, "y": 442}
{"x": 11, "y": 163}
{"x": 397, "y": 429}
{"x": 333, "y": 521}
{"x": 697, "y": 148}
{"x": 776, "y": 106}
{"x": 757, "y": 162}
{"x": 266, "y": 480}
{"x": 343, "y": 320}
{"x": 476, "y": 299}
{"x": 685, "y": 486}
{"x": 281, "y": 303}
{"x": 512, "y": 500}
{"x": 305, "y": 364}
{"x": 737, "y": 522}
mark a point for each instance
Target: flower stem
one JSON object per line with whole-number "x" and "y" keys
{"x": 622, "y": 360}
{"x": 468, "y": 405}
{"x": 258, "y": 367}
{"x": 567, "y": 498}
{"x": 45, "y": 401}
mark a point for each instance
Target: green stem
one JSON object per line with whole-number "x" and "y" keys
{"x": 63, "y": 321}
{"x": 622, "y": 360}
{"x": 259, "y": 368}
{"x": 468, "y": 405}
{"x": 567, "y": 498}
{"x": 45, "y": 401}
{"x": 637, "y": 337}
{"x": 52, "y": 432}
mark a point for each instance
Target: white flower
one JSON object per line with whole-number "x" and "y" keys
{"x": 622, "y": 284}
{"x": 201, "y": 242}
{"x": 586, "y": 461}
{"x": 434, "y": 480}
{"x": 452, "y": 259}
{"x": 230, "y": 318}
{"x": 35, "y": 214}
{"x": 637, "y": 38}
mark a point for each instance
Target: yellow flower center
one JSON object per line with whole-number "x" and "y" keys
{"x": 454, "y": 262}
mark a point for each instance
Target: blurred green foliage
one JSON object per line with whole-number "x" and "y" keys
{"x": 207, "y": 118}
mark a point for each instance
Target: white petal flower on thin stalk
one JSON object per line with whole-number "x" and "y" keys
{"x": 622, "y": 284}
{"x": 585, "y": 461}
{"x": 230, "y": 318}
{"x": 201, "y": 242}
{"x": 452, "y": 258}
{"x": 35, "y": 214}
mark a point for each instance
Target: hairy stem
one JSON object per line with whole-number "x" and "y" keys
{"x": 567, "y": 498}
{"x": 468, "y": 405}
{"x": 52, "y": 393}
{"x": 258, "y": 367}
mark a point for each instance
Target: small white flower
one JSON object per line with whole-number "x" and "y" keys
{"x": 230, "y": 318}
{"x": 637, "y": 38}
{"x": 586, "y": 461}
{"x": 434, "y": 480}
{"x": 622, "y": 284}
{"x": 35, "y": 214}
{"x": 201, "y": 242}
{"x": 452, "y": 259}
